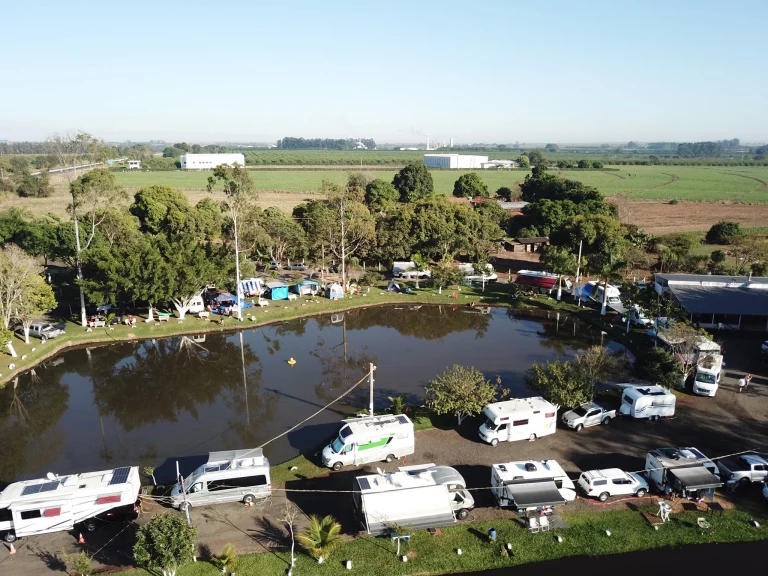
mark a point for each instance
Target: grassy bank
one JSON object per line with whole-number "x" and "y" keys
{"x": 436, "y": 554}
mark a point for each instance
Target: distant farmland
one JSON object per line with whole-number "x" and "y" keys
{"x": 686, "y": 183}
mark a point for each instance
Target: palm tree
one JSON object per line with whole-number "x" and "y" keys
{"x": 320, "y": 536}
{"x": 421, "y": 264}
{"x": 610, "y": 270}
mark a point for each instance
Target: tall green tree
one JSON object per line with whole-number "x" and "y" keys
{"x": 38, "y": 300}
{"x": 165, "y": 543}
{"x": 469, "y": 185}
{"x": 240, "y": 192}
{"x": 413, "y": 182}
{"x": 381, "y": 195}
{"x": 560, "y": 382}
{"x": 460, "y": 391}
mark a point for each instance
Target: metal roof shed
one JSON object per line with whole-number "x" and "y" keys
{"x": 534, "y": 494}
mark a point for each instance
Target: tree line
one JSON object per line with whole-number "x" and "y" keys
{"x": 290, "y": 143}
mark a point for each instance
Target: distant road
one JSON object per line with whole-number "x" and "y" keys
{"x": 70, "y": 168}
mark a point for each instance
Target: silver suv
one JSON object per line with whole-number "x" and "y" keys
{"x": 44, "y": 331}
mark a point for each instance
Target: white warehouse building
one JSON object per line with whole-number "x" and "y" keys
{"x": 455, "y": 161}
{"x": 210, "y": 161}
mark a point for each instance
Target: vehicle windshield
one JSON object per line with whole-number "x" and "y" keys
{"x": 490, "y": 425}
{"x": 705, "y": 378}
{"x": 580, "y": 411}
{"x": 46, "y": 327}
{"x": 337, "y": 446}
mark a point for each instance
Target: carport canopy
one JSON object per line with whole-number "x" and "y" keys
{"x": 533, "y": 494}
{"x": 696, "y": 478}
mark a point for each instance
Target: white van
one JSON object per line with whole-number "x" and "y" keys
{"x": 370, "y": 439}
{"x": 228, "y": 476}
{"x": 651, "y": 402}
{"x": 706, "y": 378}
{"x": 518, "y": 419}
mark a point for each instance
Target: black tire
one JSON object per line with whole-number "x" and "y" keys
{"x": 607, "y": 420}
{"x": 9, "y": 537}
{"x": 337, "y": 466}
{"x": 579, "y": 427}
{"x": 495, "y": 442}
{"x": 462, "y": 514}
{"x": 389, "y": 458}
{"x": 249, "y": 499}
{"x": 640, "y": 493}
{"x": 532, "y": 438}
{"x": 654, "y": 418}
{"x": 743, "y": 481}
{"x": 90, "y": 525}
{"x": 603, "y": 496}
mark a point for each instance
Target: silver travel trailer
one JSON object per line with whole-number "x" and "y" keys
{"x": 228, "y": 476}
{"x": 651, "y": 402}
{"x": 682, "y": 470}
{"x": 58, "y": 503}
{"x": 419, "y": 496}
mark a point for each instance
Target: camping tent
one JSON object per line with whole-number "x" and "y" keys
{"x": 306, "y": 287}
{"x": 277, "y": 290}
{"x": 334, "y": 291}
{"x": 252, "y": 286}
{"x": 394, "y": 287}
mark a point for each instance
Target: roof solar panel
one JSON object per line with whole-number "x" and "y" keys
{"x": 49, "y": 486}
{"x": 37, "y": 488}
{"x": 364, "y": 483}
{"x": 402, "y": 420}
{"x": 120, "y": 475}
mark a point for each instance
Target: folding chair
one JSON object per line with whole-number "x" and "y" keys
{"x": 544, "y": 524}
{"x": 533, "y": 525}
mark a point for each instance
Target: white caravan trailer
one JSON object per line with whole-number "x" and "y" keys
{"x": 370, "y": 439}
{"x": 531, "y": 484}
{"x": 59, "y": 502}
{"x": 706, "y": 378}
{"x": 228, "y": 476}
{"x": 683, "y": 471}
{"x": 518, "y": 419}
{"x": 421, "y": 496}
{"x": 409, "y": 270}
{"x": 651, "y": 402}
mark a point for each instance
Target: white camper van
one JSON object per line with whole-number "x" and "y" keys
{"x": 594, "y": 290}
{"x": 408, "y": 270}
{"x": 370, "y": 439}
{"x": 682, "y": 470}
{"x": 531, "y": 484}
{"x": 706, "y": 378}
{"x": 228, "y": 476}
{"x": 518, "y": 419}
{"x": 651, "y": 402}
{"x": 420, "y": 496}
{"x": 60, "y": 502}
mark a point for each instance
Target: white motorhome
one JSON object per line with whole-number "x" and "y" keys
{"x": 370, "y": 439}
{"x": 470, "y": 275}
{"x": 228, "y": 476}
{"x": 651, "y": 402}
{"x": 59, "y": 503}
{"x": 706, "y": 377}
{"x": 594, "y": 290}
{"x": 420, "y": 496}
{"x": 409, "y": 270}
{"x": 531, "y": 484}
{"x": 518, "y": 419}
{"x": 682, "y": 471}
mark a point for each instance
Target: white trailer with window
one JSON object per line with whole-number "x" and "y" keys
{"x": 59, "y": 503}
{"x": 651, "y": 402}
{"x": 370, "y": 439}
{"x": 518, "y": 419}
{"x": 416, "y": 497}
{"x": 531, "y": 484}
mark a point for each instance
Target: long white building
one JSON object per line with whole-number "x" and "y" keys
{"x": 455, "y": 161}
{"x": 210, "y": 161}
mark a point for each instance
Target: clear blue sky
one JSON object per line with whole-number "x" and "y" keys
{"x": 476, "y": 71}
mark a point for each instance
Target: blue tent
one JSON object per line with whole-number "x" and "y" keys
{"x": 334, "y": 291}
{"x": 277, "y": 290}
{"x": 307, "y": 287}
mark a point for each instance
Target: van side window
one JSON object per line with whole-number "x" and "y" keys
{"x": 520, "y": 423}
{"x": 627, "y": 399}
{"x": 197, "y": 487}
{"x": 600, "y": 482}
{"x": 559, "y": 483}
{"x": 30, "y": 514}
{"x": 247, "y": 481}
{"x": 502, "y": 427}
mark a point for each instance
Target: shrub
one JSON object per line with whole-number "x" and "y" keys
{"x": 674, "y": 201}
{"x": 724, "y": 232}
{"x": 658, "y": 367}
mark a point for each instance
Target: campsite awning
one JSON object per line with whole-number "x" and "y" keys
{"x": 696, "y": 478}
{"x": 535, "y": 494}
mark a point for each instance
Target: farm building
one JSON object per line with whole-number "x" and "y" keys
{"x": 210, "y": 161}
{"x": 534, "y": 244}
{"x": 455, "y": 161}
{"x": 134, "y": 164}
{"x": 719, "y": 302}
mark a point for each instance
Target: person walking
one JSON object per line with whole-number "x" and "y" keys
{"x": 748, "y": 379}
{"x": 742, "y": 384}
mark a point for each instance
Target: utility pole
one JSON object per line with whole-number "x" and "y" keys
{"x": 370, "y": 381}
{"x": 578, "y": 262}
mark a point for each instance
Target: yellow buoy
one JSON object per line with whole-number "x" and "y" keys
{"x": 291, "y": 362}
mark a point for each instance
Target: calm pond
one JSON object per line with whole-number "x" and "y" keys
{"x": 144, "y": 402}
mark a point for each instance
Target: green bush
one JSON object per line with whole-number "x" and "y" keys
{"x": 658, "y": 367}
{"x": 724, "y": 232}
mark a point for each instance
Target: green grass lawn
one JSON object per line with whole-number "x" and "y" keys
{"x": 692, "y": 183}
{"x": 437, "y": 554}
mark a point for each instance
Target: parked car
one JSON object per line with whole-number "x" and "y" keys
{"x": 299, "y": 266}
{"x": 743, "y": 469}
{"x": 44, "y": 331}
{"x": 588, "y": 414}
{"x": 602, "y": 484}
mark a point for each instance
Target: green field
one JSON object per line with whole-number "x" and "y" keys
{"x": 691, "y": 183}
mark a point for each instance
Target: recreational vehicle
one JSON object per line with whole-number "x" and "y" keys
{"x": 594, "y": 290}
{"x": 518, "y": 419}
{"x": 531, "y": 484}
{"x": 544, "y": 281}
{"x": 409, "y": 270}
{"x": 59, "y": 503}
{"x": 370, "y": 439}
{"x": 228, "y": 476}
{"x": 706, "y": 377}
{"x": 471, "y": 275}
{"x": 421, "y": 496}
{"x": 684, "y": 471}
{"x": 651, "y": 402}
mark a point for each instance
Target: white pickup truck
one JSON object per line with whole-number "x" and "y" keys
{"x": 743, "y": 469}
{"x": 588, "y": 414}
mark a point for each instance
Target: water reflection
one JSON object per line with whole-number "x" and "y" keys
{"x": 143, "y": 402}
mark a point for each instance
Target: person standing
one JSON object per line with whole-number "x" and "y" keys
{"x": 748, "y": 379}
{"x": 742, "y": 384}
